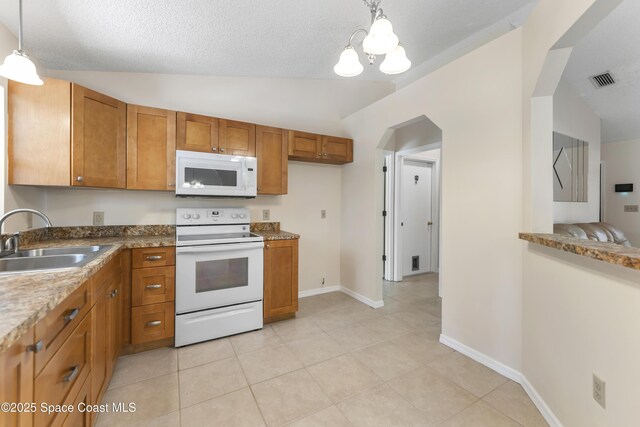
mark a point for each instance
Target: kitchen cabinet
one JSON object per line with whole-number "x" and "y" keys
{"x": 309, "y": 147}
{"x": 197, "y": 133}
{"x": 151, "y": 148}
{"x": 237, "y": 138}
{"x": 272, "y": 154}
{"x": 16, "y": 384}
{"x": 152, "y": 294}
{"x": 63, "y": 134}
{"x": 106, "y": 325}
{"x": 280, "y": 279}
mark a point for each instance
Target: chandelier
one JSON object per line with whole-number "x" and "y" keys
{"x": 379, "y": 40}
{"x": 18, "y": 66}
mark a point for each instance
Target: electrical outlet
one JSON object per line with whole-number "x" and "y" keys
{"x": 266, "y": 214}
{"x": 323, "y": 214}
{"x": 98, "y": 218}
{"x": 599, "y": 391}
{"x": 631, "y": 208}
{"x": 322, "y": 283}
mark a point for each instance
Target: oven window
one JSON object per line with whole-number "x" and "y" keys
{"x": 211, "y": 177}
{"x": 221, "y": 274}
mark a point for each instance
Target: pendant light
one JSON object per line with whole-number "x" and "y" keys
{"x": 18, "y": 66}
{"x": 379, "y": 40}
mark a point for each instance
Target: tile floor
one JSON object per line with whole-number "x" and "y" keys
{"x": 339, "y": 363}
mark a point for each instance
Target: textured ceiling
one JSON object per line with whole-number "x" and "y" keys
{"x": 274, "y": 38}
{"x": 614, "y": 45}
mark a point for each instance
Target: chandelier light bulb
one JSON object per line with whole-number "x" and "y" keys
{"x": 349, "y": 64}
{"x": 381, "y": 38}
{"x": 18, "y": 67}
{"x": 396, "y": 62}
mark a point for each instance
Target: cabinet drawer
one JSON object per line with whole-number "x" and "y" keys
{"x": 152, "y": 285}
{"x": 65, "y": 374}
{"x": 153, "y": 257}
{"x": 53, "y": 330}
{"x": 152, "y": 322}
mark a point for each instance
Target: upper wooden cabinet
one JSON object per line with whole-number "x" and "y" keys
{"x": 273, "y": 167}
{"x": 309, "y": 147}
{"x": 98, "y": 139}
{"x": 151, "y": 148}
{"x": 237, "y": 138}
{"x": 197, "y": 133}
{"x": 63, "y": 134}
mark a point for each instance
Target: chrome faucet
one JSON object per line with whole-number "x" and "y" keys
{"x": 12, "y": 243}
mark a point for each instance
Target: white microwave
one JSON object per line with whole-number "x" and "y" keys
{"x": 215, "y": 175}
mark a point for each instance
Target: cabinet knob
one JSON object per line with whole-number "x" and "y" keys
{"x": 114, "y": 293}
{"x": 324, "y": 154}
{"x": 214, "y": 149}
{"x": 222, "y": 150}
{"x": 79, "y": 178}
{"x": 319, "y": 155}
{"x": 171, "y": 184}
{"x": 268, "y": 246}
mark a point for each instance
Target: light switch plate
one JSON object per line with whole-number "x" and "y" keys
{"x": 323, "y": 214}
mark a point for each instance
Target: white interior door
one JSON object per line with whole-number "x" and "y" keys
{"x": 416, "y": 211}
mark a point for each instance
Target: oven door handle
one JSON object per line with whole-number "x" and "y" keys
{"x": 230, "y": 247}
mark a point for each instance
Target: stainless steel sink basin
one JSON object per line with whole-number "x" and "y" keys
{"x": 16, "y": 265}
{"x": 57, "y": 251}
{"x": 35, "y": 260}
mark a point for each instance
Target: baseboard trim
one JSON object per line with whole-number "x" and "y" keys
{"x": 481, "y": 358}
{"x": 362, "y": 298}
{"x": 318, "y": 291}
{"x": 508, "y": 372}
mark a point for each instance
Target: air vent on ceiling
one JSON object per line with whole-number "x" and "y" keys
{"x": 602, "y": 80}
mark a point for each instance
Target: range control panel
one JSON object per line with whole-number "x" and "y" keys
{"x": 205, "y": 216}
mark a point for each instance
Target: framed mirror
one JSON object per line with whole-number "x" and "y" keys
{"x": 570, "y": 169}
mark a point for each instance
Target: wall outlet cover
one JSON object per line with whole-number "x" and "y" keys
{"x": 323, "y": 214}
{"x": 599, "y": 391}
{"x": 266, "y": 214}
{"x": 631, "y": 208}
{"x": 98, "y": 218}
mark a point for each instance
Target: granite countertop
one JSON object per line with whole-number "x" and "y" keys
{"x": 271, "y": 231}
{"x": 26, "y": 298}
{"x": 608, "y": 252}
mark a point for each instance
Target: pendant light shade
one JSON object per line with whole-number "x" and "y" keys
{"x": 18, "y": 67}
{"x": 349, "y": 64}
{"x": 396, "y": 62}
{"x": 381, "y": 39}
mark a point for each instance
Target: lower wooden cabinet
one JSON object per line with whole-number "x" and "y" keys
{"x": 16, "y": 385}
{"x": 280, "y": 279}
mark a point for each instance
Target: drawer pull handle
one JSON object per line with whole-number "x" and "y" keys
{"x": 35, "y": 347}
{"x": 154, "y": 323}
{"x": 154, "y": 286}
{"x": 72, "y": 375}
{"x": 154, "y": 258}
{"x": 72, "y": 315}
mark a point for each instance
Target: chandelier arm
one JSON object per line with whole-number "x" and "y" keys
{"x": 360, "y": 30}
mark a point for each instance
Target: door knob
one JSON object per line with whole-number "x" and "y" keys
{"x": 429, "y": 223}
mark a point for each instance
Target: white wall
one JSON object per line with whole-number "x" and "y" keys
{"x": 580, "y": 318}
{"x": 482, "y": 174}
{"x": 621, "y": 167}
{"x": 573, "y": 117}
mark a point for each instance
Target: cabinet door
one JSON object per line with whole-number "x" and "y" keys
{"x": 337, "y": 150}
{"x": 99, "y": 346}
{"x": 304, "y": 146}
{"x": 151, "y": 148}
{"x": 237, "y": 138}
{"x": 197, "y": 133}
{"x": 40, "y": 122}
{"x": 16, "y": 383}
{"x": 98, "y": 141}
{"x": 114, "y": 324}
{"x": 273, "y": 166}
{"x": 280, "y": 277}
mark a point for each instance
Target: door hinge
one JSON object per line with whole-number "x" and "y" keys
{"x": 384, "y": 257}
{"x": 384, "y": 169}
{"x": 384, "y": 213}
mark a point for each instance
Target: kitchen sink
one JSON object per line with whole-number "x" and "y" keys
{"x": 57, "y": 251}
{"x": 35, "y": 260}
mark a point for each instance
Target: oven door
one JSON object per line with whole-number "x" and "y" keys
{"x": 204, "y": 174}
{"x": 218, "y": 275}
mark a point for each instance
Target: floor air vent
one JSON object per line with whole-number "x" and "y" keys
{"x": 602, "y": 80}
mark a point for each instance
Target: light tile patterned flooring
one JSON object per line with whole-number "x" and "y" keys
{"x": 339, "y": 363}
